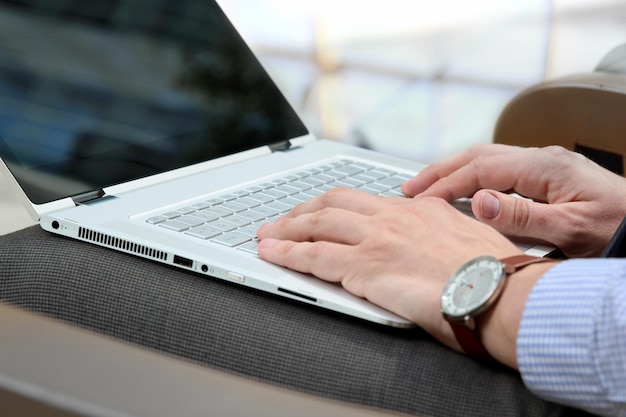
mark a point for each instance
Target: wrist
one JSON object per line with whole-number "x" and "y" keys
{"x": 498, "y": 327}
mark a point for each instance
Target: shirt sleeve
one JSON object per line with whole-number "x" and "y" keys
{"x": 571, "y": 345}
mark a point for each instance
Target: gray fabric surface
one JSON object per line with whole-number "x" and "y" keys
{"x": 254, "y": 334}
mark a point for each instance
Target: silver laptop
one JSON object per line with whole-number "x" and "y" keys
{"x": 158, "y": 133}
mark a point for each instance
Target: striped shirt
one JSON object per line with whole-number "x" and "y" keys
{"x": 571, "y": 345}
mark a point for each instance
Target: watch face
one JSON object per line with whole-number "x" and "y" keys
{"x": 472, "y": 287}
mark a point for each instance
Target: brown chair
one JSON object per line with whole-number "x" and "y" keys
{"x": 583, "y": 112}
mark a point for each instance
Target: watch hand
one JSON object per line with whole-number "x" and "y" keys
{"x": 467, "y": 284}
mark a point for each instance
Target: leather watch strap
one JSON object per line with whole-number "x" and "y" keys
{"x": 468, "y": 338}
{"x": 514, "y": 263}
{"x": 470, "y": 342}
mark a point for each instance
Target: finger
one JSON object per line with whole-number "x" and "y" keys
{"x": 525, "y": 172}
{"x": 514, "y": 216}
{"x": 435, "y": 172}
{"x": 327, "y": 224}
{"x": 325, "y": 260}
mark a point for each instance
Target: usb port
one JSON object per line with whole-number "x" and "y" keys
{"x": 179, "y": 260}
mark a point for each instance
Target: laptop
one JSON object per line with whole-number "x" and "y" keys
{"x": 156, "y": 132}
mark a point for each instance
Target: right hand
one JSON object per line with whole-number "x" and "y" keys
{"x": 574, "y": 203}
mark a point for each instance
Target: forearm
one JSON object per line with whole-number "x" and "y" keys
{"x": 499, "y": 326}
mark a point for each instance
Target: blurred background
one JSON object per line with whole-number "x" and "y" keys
{"x": 418, "y": 78}
{"x": 421, "y": 79}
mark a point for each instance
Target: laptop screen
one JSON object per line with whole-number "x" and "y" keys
{"x": 96, "y": 93}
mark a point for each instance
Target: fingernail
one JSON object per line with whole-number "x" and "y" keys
{"x": 489, "y": 206}
{"x": 267, "y": 243}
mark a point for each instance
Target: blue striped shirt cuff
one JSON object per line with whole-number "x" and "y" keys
{"x": 571, "y": 344}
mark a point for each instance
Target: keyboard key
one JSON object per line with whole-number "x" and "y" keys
{"x": 377, "y": 187}
{"x": 335, "y": 174}
{"x": 249, "y": 230}
{"x": 277, "y": 206}
{"x": 276, "y": 193}
{"x": 175, "y": 225}
{"x": 186, "y": 210}
{"x": 263, "y": 198}
{"x": 374, "y": 174}
{"x": 393, "y": 181}
{"x": 362, "y": 179}
{"x": 250, "y": 247}
{"x": 289, "y": 201}
{"x": 233, "y": 206}
{"x": 191, "y": 221}
{"x": 314, "y": 192}
{"x": 156, "y": 219}
{"x": 237, "y": 220}
{"x": 300, "y": 185}
{"x": 224, "y": 226}
{"x": 214, "y": 201}
{"x": 265, "y": 210}
{"x": 348, "y": 182}
{"x": 301, "y": 197}
{"x": 248, "y": 202}
{"x": 386, "y": 171}
{"x": 219, "y": 211}
{"x": 204, "y": 232}
{"x": 206, "y": 215}
{"x": 231, "y": 239}
{"x": 228, "y": 197}
{"x": 171, "y": 215}
{"x": 253, "y": 215}
{"x": 202, "y": 205}
{"x": 315, "y": 182}
{"x": 349, "y": 169}
{"x": 287, "y": 189}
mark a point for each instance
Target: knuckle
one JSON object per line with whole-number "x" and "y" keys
{"x": 555, "y": 150}
{"x": 478, "y": 163}
{"x": 284, "y": 248}
{"x": 331, "y": 195}
{"x": 316, "y": 250}
{"x": 559, "y": 153}
{"x": 321, "y": 216}
{"x": 295, "y": 211}
{"x": 520, "y": 215}
{"x": 523, "y": 219}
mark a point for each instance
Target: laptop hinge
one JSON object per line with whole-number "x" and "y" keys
{"x": 88, "y": 197}
{"x": 280, "y": 146}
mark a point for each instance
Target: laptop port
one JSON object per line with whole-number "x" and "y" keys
{"x": 179, "y": 260}
{"x": 297, "y": 294}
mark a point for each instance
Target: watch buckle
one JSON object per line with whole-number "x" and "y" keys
{"x": 469, "y": 322}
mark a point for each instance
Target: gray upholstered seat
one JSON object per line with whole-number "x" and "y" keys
{"x": 253, "y": 334}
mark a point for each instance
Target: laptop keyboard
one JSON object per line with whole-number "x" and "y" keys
{"x": 232, "y": 219}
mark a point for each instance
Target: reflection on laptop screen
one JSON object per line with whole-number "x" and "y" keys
{"x": 101, "y": 92}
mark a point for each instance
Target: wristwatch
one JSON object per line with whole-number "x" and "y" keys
{"x": 472, "y": 290}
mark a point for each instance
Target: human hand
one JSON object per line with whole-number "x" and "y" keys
{"x": 395, "y": 252}
{"x": 585, "y": 203}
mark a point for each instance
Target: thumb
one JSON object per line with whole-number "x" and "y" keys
{"x": 514, "y": 216}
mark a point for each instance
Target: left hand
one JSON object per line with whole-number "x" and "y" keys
{"x": 395, "y": 252}
{"x": 572, "y": 202}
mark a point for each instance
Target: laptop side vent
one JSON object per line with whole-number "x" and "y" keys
{"x": 122, "y": 244}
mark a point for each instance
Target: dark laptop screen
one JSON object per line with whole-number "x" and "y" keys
{"x": 99, "y": 92}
